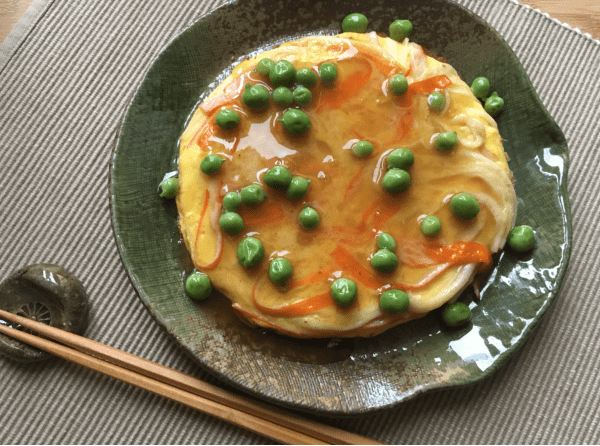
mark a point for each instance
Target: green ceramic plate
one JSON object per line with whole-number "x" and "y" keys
{"x": 351, "y": 376}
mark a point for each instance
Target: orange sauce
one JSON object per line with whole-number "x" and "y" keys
{"x": 459, "y": 253}
{"x": 318, "y": 276}
{"x": 333, "y": 98}
{"x": 304, "y": 306}
{"x": 269, "y": 213}
{"x": 346, "y": 108}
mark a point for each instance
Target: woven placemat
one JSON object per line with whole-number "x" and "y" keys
{"x": 67, "y": 73}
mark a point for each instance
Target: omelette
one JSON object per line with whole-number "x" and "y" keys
{"x": 356, "y": 207}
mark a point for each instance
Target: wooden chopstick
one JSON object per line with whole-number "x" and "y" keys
{"x": 242, "y": 411}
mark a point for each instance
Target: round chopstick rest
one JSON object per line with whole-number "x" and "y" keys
{"x": 46, "y": 293}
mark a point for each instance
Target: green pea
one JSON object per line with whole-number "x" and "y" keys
{"x": 445, "y": 142}
{"x": 343, "y": 292}
{"x": 396, "y": 180}
{"x": 362, "y": 148}
{"x": 309, "y": 218}
{"x": 280, "y": 271}
{"x": 306, "y": 77}
{"x": 283, "y": 96}
{"x": 297, "y": 188}
{"x": 198, "y": 286}
{"x": 394, "y": 301}
{"x": 400, "y": 30}
{"x": 493, "y": 105}
{"x": 302, "y": 96}
{"x": 250, "y": 252}
{"x": 232, "y": 201}
{"x": 227, "y": 119}
{"x": 328, "y": 72}
{"x": 283, "y": 74}
{"x": 295, "y": 121}
{"x": 436, "y": 100}
{"x": 384, "y": 260}
{"x": 264, "y": 66}
{"x": 456, "y": 314}
{"x": 252, "y": 195}
{"x": 400, "y": 159}
{"x": 398, "y": 84}
{"x": 211, "y": 164}
{"x": 521, "y": 238}
{"x": 255, "y": 96}
{"x": 431, "y": 225}
{"x": 231, "y": 223}
{"x": 480, "y": 87}
{"x": 278, "y": 177}
{"x": 169, "y": 188}
{"x": 386, "y": 241}
{"x": 355, "y": 23}
{"x": 464, "y": 206}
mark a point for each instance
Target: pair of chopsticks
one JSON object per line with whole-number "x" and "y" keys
{"x": 253, "y": 415}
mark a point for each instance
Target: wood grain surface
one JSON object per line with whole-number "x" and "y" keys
{"x": 582, "y": 14}
{"x": 11, "y": 12}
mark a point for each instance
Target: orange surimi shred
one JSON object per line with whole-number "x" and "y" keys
{"x": 202, "y": 214}
{"x": 353, "y": 184}
{"x": 349, "y": 264}
{"x": 313, "y": 278}
{"x": 304, "y": 306}
{"x": 430, "y": 84}
{"x": 204, "y": 134}
{"x": 459, "y": 253}
{"x": 213, "y": 264}
{"x": 424, "y": 86}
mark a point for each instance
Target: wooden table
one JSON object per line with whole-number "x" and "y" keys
{"x": 10, "y": 13}
{"x": 582, "y": 14}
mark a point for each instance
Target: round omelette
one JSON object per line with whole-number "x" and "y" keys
{"x": 346, "y": 187}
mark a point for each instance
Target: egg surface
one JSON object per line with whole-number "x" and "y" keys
{"x": 342, "y": 141}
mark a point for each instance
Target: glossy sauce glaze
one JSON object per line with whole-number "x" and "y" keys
{"x": 346, "y": 191}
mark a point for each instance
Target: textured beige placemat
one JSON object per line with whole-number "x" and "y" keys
{"x": 66, "y": 74}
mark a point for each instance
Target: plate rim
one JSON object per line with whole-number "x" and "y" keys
{"x": 499, "y": 362}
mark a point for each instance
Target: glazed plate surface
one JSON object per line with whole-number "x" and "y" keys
{"x": 356, "y": 375}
